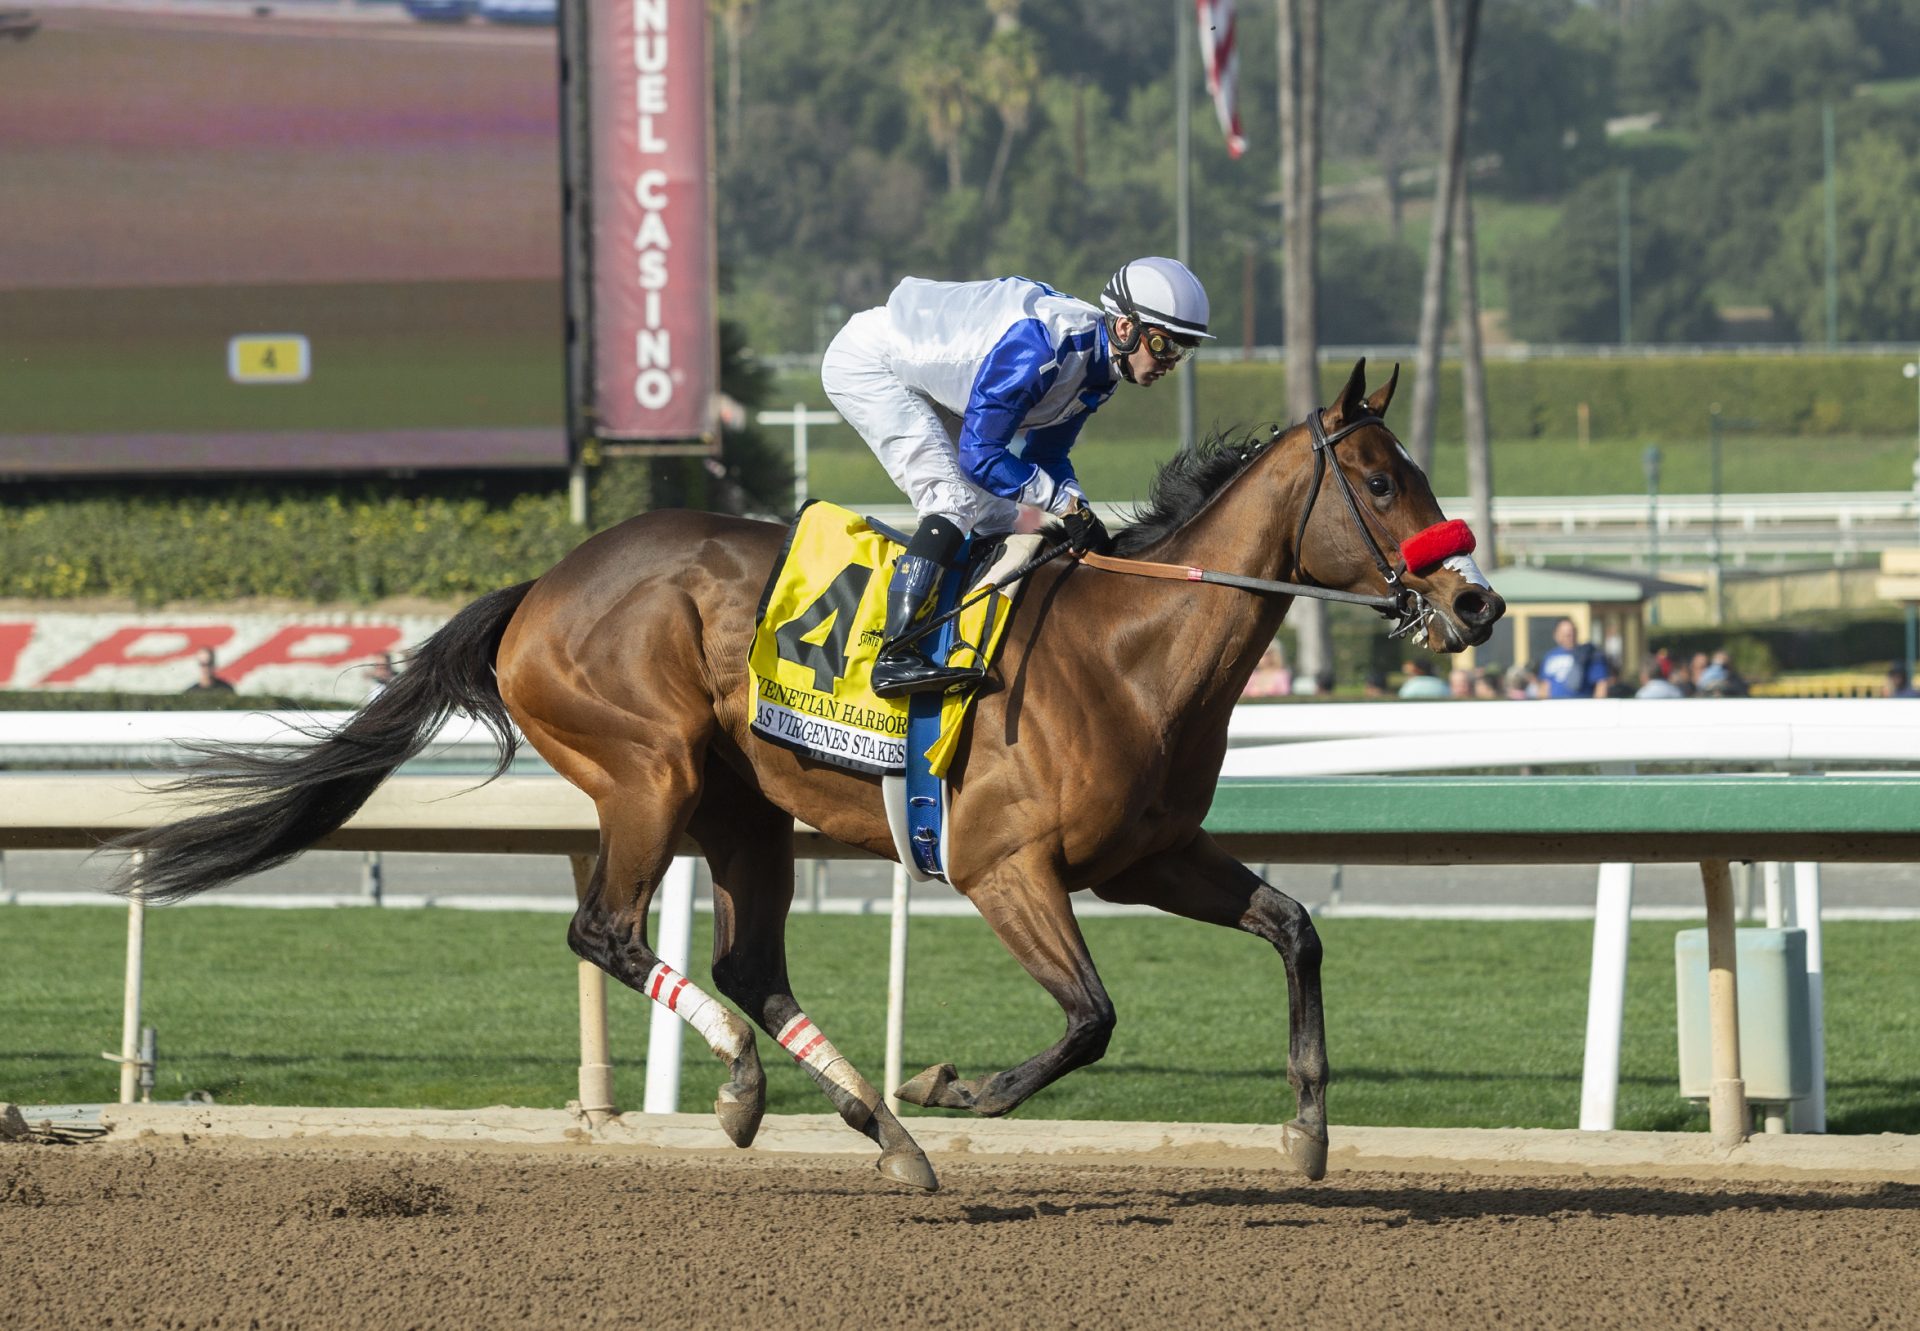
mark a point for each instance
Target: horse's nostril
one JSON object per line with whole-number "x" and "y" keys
{"x": 1471, "y": 607}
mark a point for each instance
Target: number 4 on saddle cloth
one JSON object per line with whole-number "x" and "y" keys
{"x": 818, "y": 632}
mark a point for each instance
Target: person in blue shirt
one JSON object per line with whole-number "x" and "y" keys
{"x": 972, "y": 394}
{"x": 1574, "y": 669}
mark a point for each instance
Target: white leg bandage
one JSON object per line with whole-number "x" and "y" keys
{"x": 814, "y": 1052}
{"x": 724, "y": 1034}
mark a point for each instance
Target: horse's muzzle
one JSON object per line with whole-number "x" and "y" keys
{"x": 1465, "y": 619}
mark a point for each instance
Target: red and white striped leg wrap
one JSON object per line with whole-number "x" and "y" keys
{"x": 724, "y": 1033}
{"x": 814, "y": 1052}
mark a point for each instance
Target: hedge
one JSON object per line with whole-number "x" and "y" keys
{"x": 1653, "y": 400}
{"x": 59, "y": 700}
{"x": 445, "y": 539}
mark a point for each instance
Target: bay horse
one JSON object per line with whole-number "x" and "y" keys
{"x": 1089, "y": 766}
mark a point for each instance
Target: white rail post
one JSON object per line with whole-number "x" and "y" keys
{"x": 1606, "y": 997}
{"x": 1775, "y": 903}
{"x": 1728, "y": 1116}
{"x": 897, "y": 985}
{"x": 130, "y": 1009}
{"x": 675, "y": 901}
{"x": 596, "y": 1058}
{"x": 1811, "y": 1114}
{"x": 799, "y": 418}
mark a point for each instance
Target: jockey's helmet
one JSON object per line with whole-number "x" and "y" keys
{"x": 1161, "y": 292}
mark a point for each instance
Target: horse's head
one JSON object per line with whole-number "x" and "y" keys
{"x": 1370, "y": 523}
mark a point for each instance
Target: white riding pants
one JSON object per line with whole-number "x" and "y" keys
{"x": 916, "y": 440}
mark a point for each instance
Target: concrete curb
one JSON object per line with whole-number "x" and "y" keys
{"x": 1886, "y": 1158}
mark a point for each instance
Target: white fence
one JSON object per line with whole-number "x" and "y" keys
{"x": 535, "y": 813}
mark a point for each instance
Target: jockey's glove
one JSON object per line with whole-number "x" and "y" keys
{"x": 1084, "y": 530}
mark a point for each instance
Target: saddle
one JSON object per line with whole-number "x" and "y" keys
{"x": 819, "y": 629}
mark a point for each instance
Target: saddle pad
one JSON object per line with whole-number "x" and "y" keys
{"x": 819, "y": 629}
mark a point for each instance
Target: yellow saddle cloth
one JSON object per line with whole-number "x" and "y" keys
{"x": 820, "y": 627}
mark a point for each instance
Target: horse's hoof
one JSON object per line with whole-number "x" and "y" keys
{"x": 1306, "y": 1149}
{"x": 906, "y": 1165}
{"x": 927, "y": 1089}
{"x": 739, "y": 1119}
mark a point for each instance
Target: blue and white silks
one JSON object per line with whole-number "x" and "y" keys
{"x": 972, "y": 394}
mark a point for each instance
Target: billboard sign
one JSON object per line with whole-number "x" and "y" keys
{"x": 302, "y": 238}
{"x": 655, "y": 349}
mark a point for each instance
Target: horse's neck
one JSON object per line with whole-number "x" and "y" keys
{"x": 1248, "y": 529}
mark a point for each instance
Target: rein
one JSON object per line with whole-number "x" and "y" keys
{"x": 1402, "y": 602}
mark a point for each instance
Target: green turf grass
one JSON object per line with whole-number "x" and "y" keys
{"x": 1429, "y": 1023}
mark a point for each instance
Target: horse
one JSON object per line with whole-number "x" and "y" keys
{"x": 1088, "y": 764}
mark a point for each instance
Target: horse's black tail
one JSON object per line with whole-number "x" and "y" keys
{"x": 268, "y": 805}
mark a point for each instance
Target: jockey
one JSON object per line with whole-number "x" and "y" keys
{"x": 971, "y": 394}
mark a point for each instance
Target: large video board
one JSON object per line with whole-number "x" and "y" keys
{"x": 280, "y": 238}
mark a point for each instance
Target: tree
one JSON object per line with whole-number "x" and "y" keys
{"x": 1299, "y": 60}
{"x": 1548, "y": 125}
{"x": 1009, "y": 71}
{"x": 1878, "y": 243}
{"x": 942, "y": 88}
{"x": 736, "y": 17}
{"x": 1457, "y": 78}
{"x": 1386, "y": 108}
{"x": 1564, "y": 286}
{"x": 1452, "y": 53}
{"x": 1775, "y": 60}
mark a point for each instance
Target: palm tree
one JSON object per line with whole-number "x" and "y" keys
{"x": 1009, "y": 70}
{"x": 944, "y": 93}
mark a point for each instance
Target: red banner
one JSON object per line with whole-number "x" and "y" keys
{"x": 654, "y": 338}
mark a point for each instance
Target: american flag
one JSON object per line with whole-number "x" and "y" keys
{"x": 1223, "y": 67}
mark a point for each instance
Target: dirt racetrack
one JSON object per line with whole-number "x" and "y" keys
{"x": 184, "y": 1233}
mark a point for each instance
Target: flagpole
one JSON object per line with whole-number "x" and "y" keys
{"x": 1184, "y": 23}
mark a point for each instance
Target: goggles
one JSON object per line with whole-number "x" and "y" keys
{"x": 1161, "y": 346}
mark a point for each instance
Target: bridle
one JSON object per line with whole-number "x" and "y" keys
{"x": 1406, "y": 605}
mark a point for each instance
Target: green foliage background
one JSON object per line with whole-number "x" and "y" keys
{"x": 1846, "y": 418}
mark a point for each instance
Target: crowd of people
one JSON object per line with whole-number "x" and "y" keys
{"x": 1569, "y": 669}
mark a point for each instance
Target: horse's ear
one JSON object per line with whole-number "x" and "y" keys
{"x": 1350, "y": 405}
{"x": 1377, "y": 404}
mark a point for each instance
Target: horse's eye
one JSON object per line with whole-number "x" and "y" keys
{"x": 1380, "y": 484}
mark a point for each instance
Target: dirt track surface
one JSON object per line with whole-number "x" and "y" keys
{"x": 166, "y": 1233}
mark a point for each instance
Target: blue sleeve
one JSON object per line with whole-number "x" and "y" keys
{"x": 1014, "y": 377}
{"x": 1047, "y": 448}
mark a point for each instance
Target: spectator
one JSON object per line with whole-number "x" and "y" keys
{"x": 1421, "y": 682}
{"x": 1719, "y": 679}
{"x": 1488, "y": 685}
{"x": 1898, "y": 685}
{"x": 1521, "y": 683}
{"x": 1375, "y": 684}
{"x": 1574, "y": 669}
{"x": 208, "y": 681}
{"x": 1653, "y": 686}
{"x": 383, "y": 674}
{"x": 1460, "y": 683}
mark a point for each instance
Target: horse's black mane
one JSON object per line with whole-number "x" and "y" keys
{"x": 1184, "y": 484}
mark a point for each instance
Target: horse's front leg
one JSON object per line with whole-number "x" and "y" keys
{"x": 1033, "y": 916}
{"x": 1202, "y": 882}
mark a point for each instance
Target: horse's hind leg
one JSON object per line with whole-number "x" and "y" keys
{"x": 749, "y": 846}
{"x": 610, "y": 930}
{"x": 1202, "y": 882}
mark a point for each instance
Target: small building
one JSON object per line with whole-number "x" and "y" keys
{"x": 1607, "y": 606}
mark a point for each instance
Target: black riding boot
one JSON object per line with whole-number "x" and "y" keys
{"x": 903, "y": 669}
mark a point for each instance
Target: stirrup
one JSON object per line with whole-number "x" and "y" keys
{"x": 903, "y": 672}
